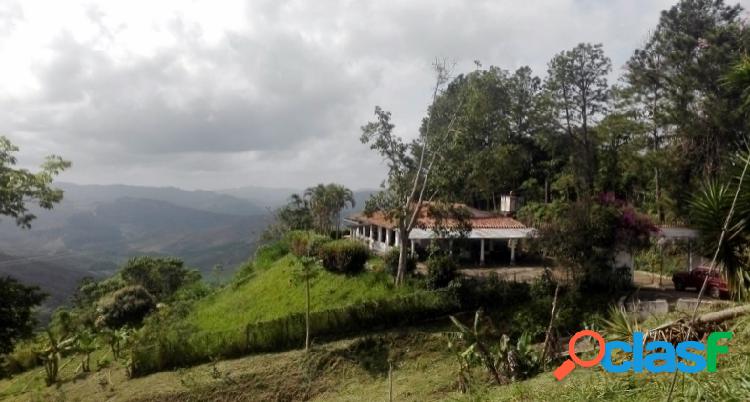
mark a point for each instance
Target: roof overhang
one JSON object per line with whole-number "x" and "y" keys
{"x": 422, "y": 234}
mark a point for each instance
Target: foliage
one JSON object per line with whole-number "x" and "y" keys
{"x": 117, "y": 339}
{"x": 441, "y": 270}
{"x": 708, "y": 211}
{"x": 344, "y": 256}
{"x": 302, "y": 243}
{"x": 16, "y": 311}
{"x": 504, "y": 361}
{"x": 325, "y": 203}
{"x": 577, "y": 81}
{"x": 52, "y": 353}
{"x": 21, "y": 187}
{"x": 584, "y": 237}
{"x": 391, "y": 262}
{"x": 409, "y": 166}
{"x": 160, "y": 276}
{"x": 127, "y": 306}
{"x": 85, "y": 344}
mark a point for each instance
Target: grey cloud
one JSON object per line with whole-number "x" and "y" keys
{"x": 280, "y": 100}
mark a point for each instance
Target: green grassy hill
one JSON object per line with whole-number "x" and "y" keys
{"x": 272, "y": 291}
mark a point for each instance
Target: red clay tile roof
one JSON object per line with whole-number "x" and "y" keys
{"x": 478, "y": 219}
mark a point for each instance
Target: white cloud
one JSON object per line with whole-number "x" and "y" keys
{"x": 201, "y": 94}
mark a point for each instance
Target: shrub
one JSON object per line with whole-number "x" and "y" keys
{"x": 344, "y": 256}
{"x": 127, "y": 306}
{"x": 440, "y": 271}
{"x": 391, "y": 262}
{"x": 161, "y": 276}
{"x": 302, "y": 243}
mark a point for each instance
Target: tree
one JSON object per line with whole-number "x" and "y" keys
{"x": 19, "y": 187}
{"x": 676, "y": 77}
{"x": 307, "y": 271}
{"x": 577, "y": 83}
{"x": 161, "y": 276}
{"x": 340, "y": 197}
{"x": 409, "y": 167}
{"x": 325, "y": 204}
{"x": 295, "y": 215}
{"x": 127, "y": 306}
{"x": 16, "y": 311}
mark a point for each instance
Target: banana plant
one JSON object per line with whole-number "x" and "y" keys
{"x": 477, "y": 350}
{"x": 52, "y": 354}
{"x": 85, "y": 343}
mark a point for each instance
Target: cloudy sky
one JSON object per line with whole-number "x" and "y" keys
{"x": 222, "y": 94}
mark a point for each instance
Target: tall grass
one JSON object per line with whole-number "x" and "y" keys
{"x": 180, "y": 348}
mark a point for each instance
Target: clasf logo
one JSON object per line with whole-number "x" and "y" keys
{"x": 661, "y": 357}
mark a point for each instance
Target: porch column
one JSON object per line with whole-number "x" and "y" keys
{"x": 512, "y": 246}
{"x": 387, "y": 237}
{"x": 380, "y": 234}
{"x": 690, "y": 255}
{"x": 396, "y": 238}
{"x": 412, "y": 247}
{"x": 372, "y": 233}
{"x": 481, "y": 251}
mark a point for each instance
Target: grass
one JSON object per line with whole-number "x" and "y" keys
{"x": 356, "y": 370}
{"x": 272, "y": 292}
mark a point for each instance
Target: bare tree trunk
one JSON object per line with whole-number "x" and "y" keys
{"x": 390, "y": 381}
{"x": 402, "y": 250}
{"x": 548, "y": 335}
{"x": 307, "y": 312}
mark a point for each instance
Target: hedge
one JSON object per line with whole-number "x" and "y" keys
{"x": 344, "y": 256}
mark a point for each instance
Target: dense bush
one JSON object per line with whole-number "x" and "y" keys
{"x": 344, "y": 256}
{"x": 182, "y": 346}
{"x": 441, "y": 270}
{"x": 161, "y": 276}
{"x": 127, "y": 306}
{"x": 303, "y": 243}
{"x": 391, "y": 262}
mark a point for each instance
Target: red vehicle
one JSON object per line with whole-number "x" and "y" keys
{"x": 716, "y": 286}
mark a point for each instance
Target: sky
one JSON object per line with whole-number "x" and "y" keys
{"x": 225, "y": 94}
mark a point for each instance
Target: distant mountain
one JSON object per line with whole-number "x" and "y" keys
{"x": 202, "y": 200}
{"x": 272, "y": 198}
{"x": 266, "y": 197}
{"x": 96, "y": 228}
{"x": 53, "y": 274}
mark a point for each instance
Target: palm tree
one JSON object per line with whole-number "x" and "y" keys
{"x": 708, "y": 211}
{"x": 326, "y": 203}
{"x": 340, "y": 197}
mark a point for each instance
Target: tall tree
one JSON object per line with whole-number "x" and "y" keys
{"x": 18, "y": 189}
{"x": 577, "y": 82}
{"x": 409, "y": 166}
{"x": 676, "y": 76}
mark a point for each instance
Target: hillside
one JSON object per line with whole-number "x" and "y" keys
{"x": 356, "y": 369}
{"x": 272, "y": 291}
{"x": 96, "y": 228}
{"x": 53, "y": 275}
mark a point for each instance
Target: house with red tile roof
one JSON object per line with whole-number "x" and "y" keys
{"x": 489, "y": 230}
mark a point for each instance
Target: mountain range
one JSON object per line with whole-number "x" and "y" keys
{"x": 97, "y": 227}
